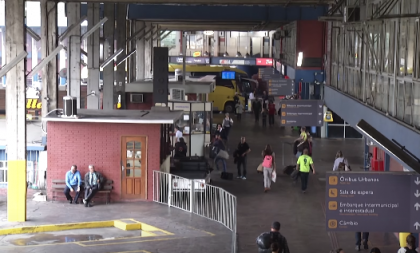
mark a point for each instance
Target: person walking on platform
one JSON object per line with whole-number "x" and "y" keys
{"x": 227, "y": 124}
{"x": 242, "y": 152}
{"x": 411, "y": 245}
{"x": 304, "y": 165}
{"x": 239, "y": 110}
{"x": 256, "y": 108}
{"x": 267, "y": 241}
{"x": 268, "y": 165}
{"x": 264, "y": 115}
{"x": 218, "y": 145}
{"x": 362, "y": 239}
{"x": 271, "y": 113}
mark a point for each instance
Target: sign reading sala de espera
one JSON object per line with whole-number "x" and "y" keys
{"x": 373, "y": 201}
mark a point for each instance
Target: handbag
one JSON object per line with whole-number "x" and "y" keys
{"x": 274, "y": 176}
{"x": 260, "y": 168}
{"x": 223, "y": 154}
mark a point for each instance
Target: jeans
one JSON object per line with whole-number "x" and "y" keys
{"x": 90, "y": 192}
{"x": 239, "y": 116}
{"x": 67, "y": 192}
{"x": 241, "y": 161}
{"x": 267, "y": 176}
{"x": 299, "y": 153}
{"x": 271, "y": 119}
{"x": 359, "y": 238}
{"x": 216, "y": 160}
{"x": 304, "y": 176}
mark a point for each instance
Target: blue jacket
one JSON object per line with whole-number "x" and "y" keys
{"x": 73, "y": 179}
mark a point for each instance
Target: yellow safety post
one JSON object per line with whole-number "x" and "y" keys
{"x": 403, "y": 239}
{"x": 16, "y": 190}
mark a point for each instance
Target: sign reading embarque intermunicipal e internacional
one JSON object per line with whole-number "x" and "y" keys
{"x": 373, "y": 201}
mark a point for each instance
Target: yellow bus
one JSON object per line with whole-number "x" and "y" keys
{"x": 222, "y": 96}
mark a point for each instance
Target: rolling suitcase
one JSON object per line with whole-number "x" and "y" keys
{"x": 226, "y": 176}
{"x": 289, "y": 169}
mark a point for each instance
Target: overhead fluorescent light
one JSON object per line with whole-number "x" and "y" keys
{"x": 208, "y": 33}
{"x": 299, "y": 59}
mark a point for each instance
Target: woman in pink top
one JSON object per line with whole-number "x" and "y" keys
{"x": 268, "y": 167}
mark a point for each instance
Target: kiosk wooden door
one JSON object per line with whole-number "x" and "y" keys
{"x": 134, "y": 171}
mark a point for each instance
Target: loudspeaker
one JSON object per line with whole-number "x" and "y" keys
{"x": 160, "y": 75}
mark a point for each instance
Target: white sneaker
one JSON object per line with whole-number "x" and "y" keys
{"x": 244, "y": 178}
{"x": 239, "y": 177}
{"x": 84, "y": 201}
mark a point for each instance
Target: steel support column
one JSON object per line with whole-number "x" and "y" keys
{"x": 93, "y": 49}
{"x": 132, "y": 60}
{"x": 140, "y": 56}
{"x": 49, "y": 41}
{"x": 108, "y": 48}
{"x": 121, "y": 38}
{"x": 15, "y": 111}
{"x": 74, "y": 53}
{"x": 148, "y": 51}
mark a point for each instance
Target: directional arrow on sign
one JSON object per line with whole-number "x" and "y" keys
{"x": 417, "y": 206}
{"x": 417, "y": 181}
{"x": 417, "y": 225}
{"x": 417, "y": 194}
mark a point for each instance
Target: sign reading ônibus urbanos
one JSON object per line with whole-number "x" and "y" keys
{"x": 373, "y": 201}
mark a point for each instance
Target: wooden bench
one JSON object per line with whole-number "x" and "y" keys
{"x": 58, "y": 186}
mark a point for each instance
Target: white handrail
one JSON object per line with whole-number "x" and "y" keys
{"x": 194, "y": 196}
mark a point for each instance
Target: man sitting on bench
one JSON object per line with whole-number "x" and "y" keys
{"x": 73, "y": 183}
{"x": 93, "y": 182}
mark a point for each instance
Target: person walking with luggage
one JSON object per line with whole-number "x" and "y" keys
{"x": 304, "y": 164}
{"x": 242, "y": 152}
{"x": 268, "y": 165}
{"x": 217, "y": 146}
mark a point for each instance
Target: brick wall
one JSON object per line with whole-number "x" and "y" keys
{"x": 98, "y": 144}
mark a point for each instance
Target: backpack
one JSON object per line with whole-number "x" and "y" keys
{"x": 268, "y": 161}
{"x": 407, "y": 250}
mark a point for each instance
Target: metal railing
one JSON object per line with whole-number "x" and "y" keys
{"x": 194, "y": 196}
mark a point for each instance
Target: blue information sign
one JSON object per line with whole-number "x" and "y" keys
{"x": 228, "y": 75}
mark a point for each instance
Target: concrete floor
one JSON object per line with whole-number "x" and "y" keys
{"x": 301, "y": 215}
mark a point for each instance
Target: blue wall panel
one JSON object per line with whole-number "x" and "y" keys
{"x": 223, "y": 13}
{"x": 352, "y": 111}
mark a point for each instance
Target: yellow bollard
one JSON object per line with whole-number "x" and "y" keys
{"x": 403, "y": 239}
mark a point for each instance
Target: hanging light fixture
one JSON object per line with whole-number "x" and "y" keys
{"x": 206, "y": 53}
{"x": 208, "y": 33}
{"x": 225, "y": 54}
{"x": 238, "y": 54}
{"x": 247, "y": 55}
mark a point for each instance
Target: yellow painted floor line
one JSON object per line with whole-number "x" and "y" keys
{"x": 84, "y": 243}
{"x": 81, "y": 225}
{"x": 134, "y": 251}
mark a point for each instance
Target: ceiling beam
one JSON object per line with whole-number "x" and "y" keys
{"x": 213, "y": 2}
